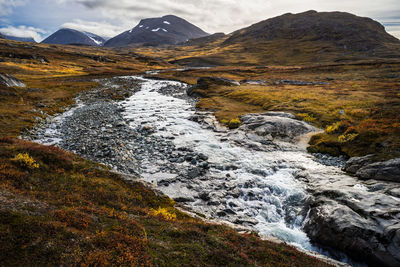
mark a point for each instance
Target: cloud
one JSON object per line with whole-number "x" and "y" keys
{"x": 228, "y": 15}
{"x": 7, "y": 6}
{"x": 23, "y": 31}
{"x": 109, "y": 17}
{"x": 393, "y": 27}
{"x": 103, "y": 29}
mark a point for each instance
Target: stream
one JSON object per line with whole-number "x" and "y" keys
{"x": 248, "y": 177}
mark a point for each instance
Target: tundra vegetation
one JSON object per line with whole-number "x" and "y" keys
{"x": 57, "y": 208}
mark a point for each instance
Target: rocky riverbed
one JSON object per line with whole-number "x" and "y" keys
{"x": 258, "y": 176}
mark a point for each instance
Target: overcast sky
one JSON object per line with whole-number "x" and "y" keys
{"x": 40, "y": 18}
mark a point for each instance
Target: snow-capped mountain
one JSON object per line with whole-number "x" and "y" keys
{"x": 157, "y": 31}
{"x": 74, "y": 37}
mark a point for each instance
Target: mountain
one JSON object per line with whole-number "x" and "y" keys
{"x": 339, "y": 29}
{"x": 74, "y": 37}
{"x": 2, "y": 36}
{"x": 21, "y": 39}
{"x": 157, "y": 31}
{"x": 306, "y": 38}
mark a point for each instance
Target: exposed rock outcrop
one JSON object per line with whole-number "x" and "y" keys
{"x": 360, "y": 223}
{"x": 366, "y": 168}
{"x": 385, "y": 171}
{"x": 279, "y": 125}
{"x": 10, "y": 81}
{"x": 356, "y": 163}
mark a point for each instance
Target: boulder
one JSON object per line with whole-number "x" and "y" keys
{"x": 10, "y": 81}
{"x": 280, "y": 114}
{"x": 385, "y": 171}
{"x": 366, "y": 168}
{"x": 279, "y": 125}
{"x": 356, "y": 163}
{"x": 352, "y": 229}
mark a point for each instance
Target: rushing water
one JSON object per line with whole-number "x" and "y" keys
{"x": 268, "y": 196}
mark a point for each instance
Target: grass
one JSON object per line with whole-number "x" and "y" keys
{"x": 257, "y": 52}
{"x": 69, "y": 211}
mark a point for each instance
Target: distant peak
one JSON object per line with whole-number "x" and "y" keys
{"x": 170, "y": 16}
{"x": 310, "y": 12}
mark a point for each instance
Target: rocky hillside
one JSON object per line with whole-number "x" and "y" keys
{"x": 157, "y": 31}
{"x": 74, "y": 37}
{"x": 340, "y": 30}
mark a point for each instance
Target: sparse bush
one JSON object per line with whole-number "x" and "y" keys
{"x": 234, "y": 123}
{"x": 25, "y": 160}
{"x": 347, "y": 137}
{"x": 358, "y": 113}
{"x": 338, "y": 127}
{"x": 332, "y": 128}
{"x": 225, "y": 121}
{"x": 164, "y": 213}
{"x": 306, "y": 117}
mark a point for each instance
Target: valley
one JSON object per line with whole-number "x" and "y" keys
{"x": 221, "y": 150}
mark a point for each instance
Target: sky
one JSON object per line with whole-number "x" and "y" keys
{"x": 107, "y": 18}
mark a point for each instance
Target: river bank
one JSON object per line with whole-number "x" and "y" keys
{"x": 265, "y": 183}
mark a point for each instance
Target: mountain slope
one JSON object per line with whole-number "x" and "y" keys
{"x": 341, "y": 29}
{"x": 157, "y": 31}
{"x": 205, "y": 40}
{"x": 70, "y": 36}
{"x": 21, "y": 39}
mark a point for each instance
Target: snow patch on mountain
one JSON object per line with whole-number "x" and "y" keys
{"x": 96, "y": 41}
{"x": 94, "y": 38}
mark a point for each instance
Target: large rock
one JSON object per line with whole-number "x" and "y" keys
{"x": 349, "y": 227}
{"x": 359, "y": 218}
{"x": 356, "y": 163}
{"x": 386, "y": 171}
{"x": 10, "y": 81}
{"x": 279, "y": 125}
{"x": 366, "y": 168}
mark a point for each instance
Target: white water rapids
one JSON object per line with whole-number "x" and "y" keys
{"x": 268, "y": 196}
